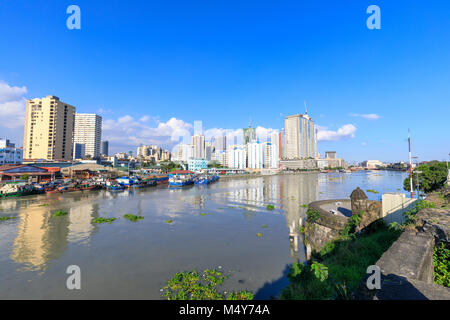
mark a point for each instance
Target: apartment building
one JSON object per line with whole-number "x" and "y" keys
{"x": 48, "y": 130}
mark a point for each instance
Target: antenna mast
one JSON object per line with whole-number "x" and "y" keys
{"x": 410, "y": 165}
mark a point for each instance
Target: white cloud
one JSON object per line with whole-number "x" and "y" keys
{"x": 345, "y": 132}
{"x": 126, "y": 132}
{"x": 364, "y": 143}
{"x": 368, "y": 116}
{"x": 144, "y": 119}
{"x": 12, "y": 106}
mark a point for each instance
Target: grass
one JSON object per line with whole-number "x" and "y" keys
{"x": 7, "y": 218}
{"x": 132, "y": 217}
{"x": 103, "y": 220}
{"x": 60, "y": 213}
{"x": 270, "y": 207}
{"x": 191, "y": 285}
{"x": 168, "y": 221}
{"x": 339, "y": 267}
{"x": 441, "y": 262}
{"x": 44, "y": 205}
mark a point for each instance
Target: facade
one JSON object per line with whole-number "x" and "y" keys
{"x": 271, "y": 156}
{"x": 104, "y": 149}
{"x": 79, "y": 151}
{"x": 237, "y": 157}
{"x": 255, "y": 154}
{"x": 185, "y": 152}
{"x": 220, "y": 143}
{"x": 48, "y": 130}
{"x": 195, "y": 164}
{"x": 221, "y": 157}
{"x": 208, "y": 152}
{"x": 198, "y": 142}
{"x": 372, "y": 164}
{"x": 249, "y": 135}
{"x": 300, "y": 137}
{"x": 88, "y": 131}
{"x": 330, "y": 154}
{"x": 9, "y": 154}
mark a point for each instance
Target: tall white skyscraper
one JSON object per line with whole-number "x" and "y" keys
{"x": 255, "y": 151}
{"x": 88, "y": 131}
{"x": 198, "y": 141}
{"x": 237, "y": 157}
{"x": 300, "y": 137}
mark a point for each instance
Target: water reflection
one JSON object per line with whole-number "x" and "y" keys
{"x": 148, "y": 252}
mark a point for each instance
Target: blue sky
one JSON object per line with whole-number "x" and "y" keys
{"x": 153, "y": 68}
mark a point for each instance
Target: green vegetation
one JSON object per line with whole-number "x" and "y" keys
{"x": 270, "y": 207}
{"x": 441, "y": 262}
{"x": 431, "y": 178}
{"x": 7, "y": 218}
{"x": 60, "y": 213}
{"x": 132, "y": 217}
{"x": 167, "y": 166}
{"x": 191, "y": 286}
{"x": 168, "y": 221}
{"x": 264, "y": 226}
{"x": 410, "y": 215}
{"x": 44, "y": 205}
{"x": 202, "y": 214}
{"x": 339, "y": 267}
{"x": 372, "y": 191}
{"x": 312, "y": 215}
{"x": 25, "y": 177}
{"x": 304, "y": 206}
{"x": 214, "y": 164}
{"x": 301, "y": 229}
{"x": 259, "y": 235}
{"x": 103, "y": 220}
{"x": 351, "y": 225}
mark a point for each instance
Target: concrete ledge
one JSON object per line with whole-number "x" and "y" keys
{"x": 394, "y": 287}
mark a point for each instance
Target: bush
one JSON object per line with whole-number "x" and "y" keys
{"x": 432, "y": 178}
{"x": 340, "y": 266}
{"x": 441, "y": 262}
{"x": 312, "y": 215}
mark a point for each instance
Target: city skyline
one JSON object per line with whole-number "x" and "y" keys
{"x": 364, "y": 88}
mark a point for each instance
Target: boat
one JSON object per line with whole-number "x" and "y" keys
{"x": 181, "y": 178}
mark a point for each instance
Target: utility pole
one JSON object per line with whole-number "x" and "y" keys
{"x": 410, "y": 165}
{"x": 418, "y": 184}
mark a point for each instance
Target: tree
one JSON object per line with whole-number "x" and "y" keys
{"x": 25, "y": 177}
{"x": 431, "y": 178}
{"x": 214, "y": 164}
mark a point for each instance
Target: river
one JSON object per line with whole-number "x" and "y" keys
{"x": 213, "y": 226}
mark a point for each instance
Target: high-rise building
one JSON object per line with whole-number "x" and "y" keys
{"x": 255, "y": 152}
{"x": 104, "y": 150}
{"x": 79, "y": 151}
{"x": 300, "y": 137}
{"x": 236, "y": 157}
{"x": 198, "y": 141}
{"x": 220, "y": 143}
{"x": 88, "y": 131}
{"x": 249, "y": 134}
{"x": 48, "y": 131}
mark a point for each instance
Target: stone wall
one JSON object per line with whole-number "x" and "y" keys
{"x": 407, "y": 266}
{"x": 326, "y": 228}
